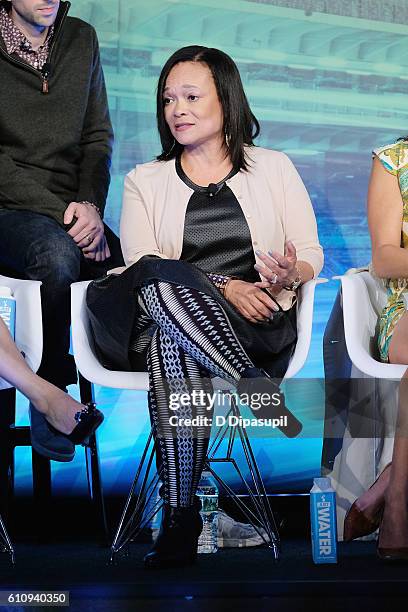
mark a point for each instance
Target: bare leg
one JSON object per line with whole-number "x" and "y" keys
{"x": 372, "y": 501}
{"x": 58, "y": 407}
{"x": 388, "y": 484}
{"x": 394, "y": 527}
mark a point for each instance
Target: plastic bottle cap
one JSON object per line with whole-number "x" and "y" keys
{"x": 5, "y": 292}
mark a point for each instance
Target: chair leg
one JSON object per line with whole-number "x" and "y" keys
{"x": 134, "y": 518}
{"x": 10, "y": 437}
{"x": 93, "y": 467}
{"x": 93, "y": 470}
{"x": 7, "y": 420}
{"x": 260, "y": 516}
{"x": 86, "y": 389}
{"x": 5, "y": 542}
{"x": 42, "y": 493}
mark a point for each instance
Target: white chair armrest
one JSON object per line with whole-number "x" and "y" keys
{"x": 304, "y": 326}
{"x": 89, "y": 366}
{"x": 84, "y": 355}
{"x": 360, "y": 320}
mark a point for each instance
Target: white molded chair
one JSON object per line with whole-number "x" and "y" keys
{"x": 363, "y": 299}
{"x": 375, "y": 384}
{"x": 91, "y": 369}
{"x": 28, "y": 320}
{"x": 28, "y": 338}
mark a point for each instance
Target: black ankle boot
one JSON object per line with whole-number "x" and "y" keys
{"x": 176, "y": 544}
{"x": 256, "y": 381}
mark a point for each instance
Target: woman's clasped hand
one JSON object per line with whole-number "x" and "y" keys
{"x": 253, "y": 303}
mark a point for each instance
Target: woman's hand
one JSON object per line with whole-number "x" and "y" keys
{"x": 279, "y": 270}
{"x": 253, "y": 303}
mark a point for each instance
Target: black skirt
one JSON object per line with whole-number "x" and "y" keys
{"x": 113, "y": 307}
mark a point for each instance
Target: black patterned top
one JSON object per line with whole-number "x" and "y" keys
{"x": 16, "y": 42}
{"x": 216, "y": 234}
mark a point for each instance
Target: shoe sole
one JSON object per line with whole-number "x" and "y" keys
{"x": 44, "y": 452}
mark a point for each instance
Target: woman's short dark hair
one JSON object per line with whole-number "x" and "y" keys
{"x": 240, "y": 124}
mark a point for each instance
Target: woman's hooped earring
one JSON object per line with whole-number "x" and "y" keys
{"x": 227, "y": 140}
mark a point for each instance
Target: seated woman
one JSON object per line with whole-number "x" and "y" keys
{"x": 385, "y": 504}
{"x": 65, "y": 414}
{"x": 200, "y": 297}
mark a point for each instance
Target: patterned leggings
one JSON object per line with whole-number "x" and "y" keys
{"x": 193, "y": 341}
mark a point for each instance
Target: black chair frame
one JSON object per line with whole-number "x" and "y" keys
{"x": 138, "y": 510}
{"x": 12, "y": 436}
{"x": 5, "y": 542}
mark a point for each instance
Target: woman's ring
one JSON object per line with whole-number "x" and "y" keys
{"x": 274, "y": 279}
{"x": 89, "y": 238}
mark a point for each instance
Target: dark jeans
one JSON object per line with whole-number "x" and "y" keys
{"x": 36, "y": 247}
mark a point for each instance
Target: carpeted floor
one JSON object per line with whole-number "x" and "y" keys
{"x": 232, "y": 579}
{"x": 244, "y": 576}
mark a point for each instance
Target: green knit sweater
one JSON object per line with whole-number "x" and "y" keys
{"x": 55, "y": 147}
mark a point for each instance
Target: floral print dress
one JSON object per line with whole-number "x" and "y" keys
{"x": 394, "y": 159}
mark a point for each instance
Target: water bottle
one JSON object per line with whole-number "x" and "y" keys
{"x": 8, "y": 309}
{"x": 323, "y": 521}
{"x": 207, "y": 491}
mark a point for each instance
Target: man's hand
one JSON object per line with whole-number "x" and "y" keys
{"x": 253, "y": 303}
{"x": 88, "y": 230}
{"x": 100, "y": 253}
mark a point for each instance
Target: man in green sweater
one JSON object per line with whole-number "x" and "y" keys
{"x": 55, "y": 150}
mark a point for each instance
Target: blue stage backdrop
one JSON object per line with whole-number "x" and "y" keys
{"x": 328, "y": 82}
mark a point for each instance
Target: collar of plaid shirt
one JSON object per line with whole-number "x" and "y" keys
{"x": 17, "y": 42}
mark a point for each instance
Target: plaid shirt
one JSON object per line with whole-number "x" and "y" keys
{"x": 16, "y": 42}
